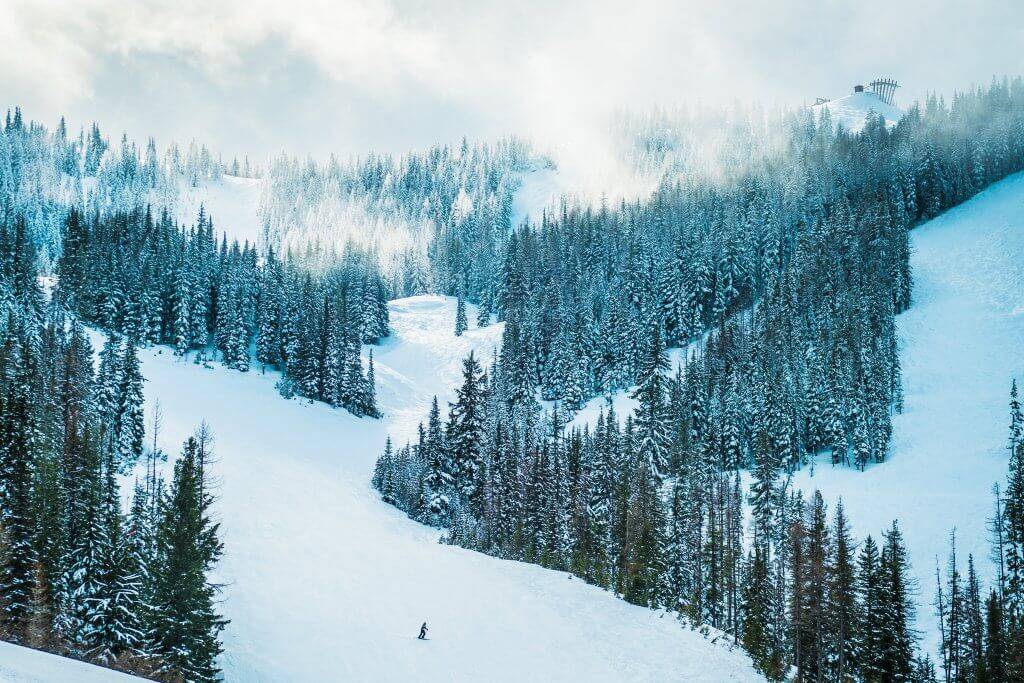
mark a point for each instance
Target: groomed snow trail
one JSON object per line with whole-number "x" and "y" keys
{"x": 25, "y": 665}
{"x": 962, "y": 340}
{"x": 327, "y": 583}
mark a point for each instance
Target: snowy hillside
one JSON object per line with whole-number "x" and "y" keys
{"x": 24, "y": 665}
{"x": 541, "y": 185}
{"x": 233, "y": 203}
{"x": 851, "y": 111}
{"x": 961, "y": 344}
{"x": 325, "y": 582}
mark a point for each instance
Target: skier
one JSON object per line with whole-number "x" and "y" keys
{"x": 423, "y": 631}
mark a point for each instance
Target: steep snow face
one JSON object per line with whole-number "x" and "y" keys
{"x": 324, "y": 582}
{"x": 851, "y": 111}
{"x": 24, "y": 665}
{"x": 961, "y": 343}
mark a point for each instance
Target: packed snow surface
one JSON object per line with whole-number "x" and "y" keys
{"x": 324, "y": 582}
{"x": 851, "y": 111}
{"x": 962, "y": 341}
{"x": 24, "y": 665}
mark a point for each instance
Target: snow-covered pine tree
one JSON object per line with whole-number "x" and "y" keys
{"x": 438, "y": 482}
{"x": 868, "y": 634}
{"x": 19, "y": 442}
{"x": 186, "y": 638}
{"x": 650, "y": 416}
{"x": 82, "y": 587}
{"x": 842, "y": 597}
{"x": 464, "y": 432}
{"x": 129, "y": 425}
{"x": 461, "y": 324}
{"x": 896, "y": 650}
{"x": 114, "y": 628}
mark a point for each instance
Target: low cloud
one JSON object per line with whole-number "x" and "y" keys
{"x": 319, "y": 76}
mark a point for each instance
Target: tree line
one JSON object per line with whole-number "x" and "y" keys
{"x": 798, "y": 261}
{"x": 79, "y": 575}
{"x": 982, "y": 636}
{"x": 46, "y": 172}
{"x": 307, "y": 315}
{"x": 789, "y": 584}
{"x": 416, "y": 211}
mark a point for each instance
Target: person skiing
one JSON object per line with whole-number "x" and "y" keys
{"x": 423, "y": 631}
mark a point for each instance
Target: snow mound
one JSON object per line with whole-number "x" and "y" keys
{"x": 961, "y": 344}
{"x": 24, "y": 665}
{"x": 325, "y": 582}
{"x": 851, "y": 111}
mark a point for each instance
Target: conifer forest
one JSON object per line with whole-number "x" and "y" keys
{"x": 712, "y": 386}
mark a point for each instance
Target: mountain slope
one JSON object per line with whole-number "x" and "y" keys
{"x": 233, "y": 202}
{"x": 325, "y": 582}
{"x": 851, "y": 111}
{"x": 24, "y": 665}
{"x": 962, "y": 341}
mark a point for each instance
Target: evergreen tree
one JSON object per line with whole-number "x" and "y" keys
{"x": 650, "y": 416}
{"x": 897, "y": 642}
{"x": 994, "y": 664}
{"x": 114, "y": 626}
{"x": 757, "y": 613}
{"x": 644, "y": 543}
{"x": 461, "y": 325}
{"x": 129, "y": 426}
{"x": 868, "y": 635}
{"x": 842, "y": 597}
{"x": 19, "y": 440}
{"x": 440, "y": 470}
{"x": 186, "y": 637}
{"x": 465, "y": 433}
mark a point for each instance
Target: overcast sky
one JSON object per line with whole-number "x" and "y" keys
{"x": 316, "y": 76}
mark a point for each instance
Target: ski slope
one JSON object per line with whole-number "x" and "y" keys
{"x": 24, "y": 665}
{"x": 851, "y": 111}
{"x": 232, "y": 202}
{"x": 324, "y": 582}
{"x": 962, "y": 341}
{"x": 541, "y": 187}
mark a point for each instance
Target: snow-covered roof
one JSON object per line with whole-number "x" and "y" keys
{"x": 851, "y": 111}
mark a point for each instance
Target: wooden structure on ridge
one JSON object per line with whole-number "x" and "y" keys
{"x": 884, "y": 88}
